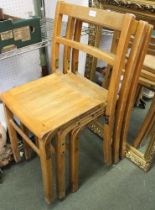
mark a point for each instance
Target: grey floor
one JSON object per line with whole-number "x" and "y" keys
{"x": 120, "y": 187}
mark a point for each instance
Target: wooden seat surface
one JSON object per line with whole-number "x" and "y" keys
{"x": 52, "y": 101}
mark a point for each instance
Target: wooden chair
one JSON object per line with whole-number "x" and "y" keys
{"x": 64, "y": 102}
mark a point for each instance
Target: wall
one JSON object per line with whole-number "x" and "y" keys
{"x": 19, "y": 8}
{"x": 50, "y": 5}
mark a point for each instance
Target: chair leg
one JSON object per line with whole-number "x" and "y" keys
{"x": 107, "y": 144}
{"x": 60, "y": 164}
{"x": 74, "y": 159}
{"x": 12, "y": 135}
{"x": 27, "y": 148}
{"x": 46, "y": 167}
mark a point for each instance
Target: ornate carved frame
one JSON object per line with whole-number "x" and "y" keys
{"x": 143, "y": 9}
{"x": 143, "y": 160}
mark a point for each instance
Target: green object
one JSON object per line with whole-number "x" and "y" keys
{"x": 19, "y": 33}
{"x": 153, "y": 33}
{"x": 38, "y": 5}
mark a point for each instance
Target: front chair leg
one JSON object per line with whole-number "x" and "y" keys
{"x": 12, "y": 135}
{"x": 107, "y": 144}
{"x": 60, "y": 164}
{"x": 74, "y": 158}
{"x": 46, "y": 167}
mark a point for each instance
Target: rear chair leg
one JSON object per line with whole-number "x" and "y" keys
{"x": 107, "y": 145}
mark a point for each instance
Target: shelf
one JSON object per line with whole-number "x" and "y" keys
{"x": 46, "y": 31}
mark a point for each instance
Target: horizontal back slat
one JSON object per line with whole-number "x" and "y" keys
{"x": 100, "y": 54}
{"x": 153, "y": 39}
{"x": 151, "y": 52}
{"x": 104, "y": 18}
{"x": 148, "y": 75}
{"x": 151, "y": 47}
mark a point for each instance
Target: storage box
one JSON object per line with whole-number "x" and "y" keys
{"x": 17, "y": 33}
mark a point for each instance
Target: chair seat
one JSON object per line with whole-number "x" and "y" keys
{"x": 50, "y": 102}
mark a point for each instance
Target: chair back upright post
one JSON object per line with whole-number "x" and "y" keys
{"x": 56, "y": 32}
{"x": 75, "y": 53}
{"x": 67, "y": 50}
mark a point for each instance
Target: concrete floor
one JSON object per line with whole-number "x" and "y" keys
{"x": 121, "y": 187}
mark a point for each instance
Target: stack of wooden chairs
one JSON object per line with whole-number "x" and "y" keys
{"x": 65, "y": 102}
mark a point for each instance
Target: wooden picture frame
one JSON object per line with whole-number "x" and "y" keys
{"x": 143, "y": 160}
{"x": 145, "y": 10}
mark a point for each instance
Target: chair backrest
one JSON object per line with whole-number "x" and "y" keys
{"x": 77, "y": 15}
